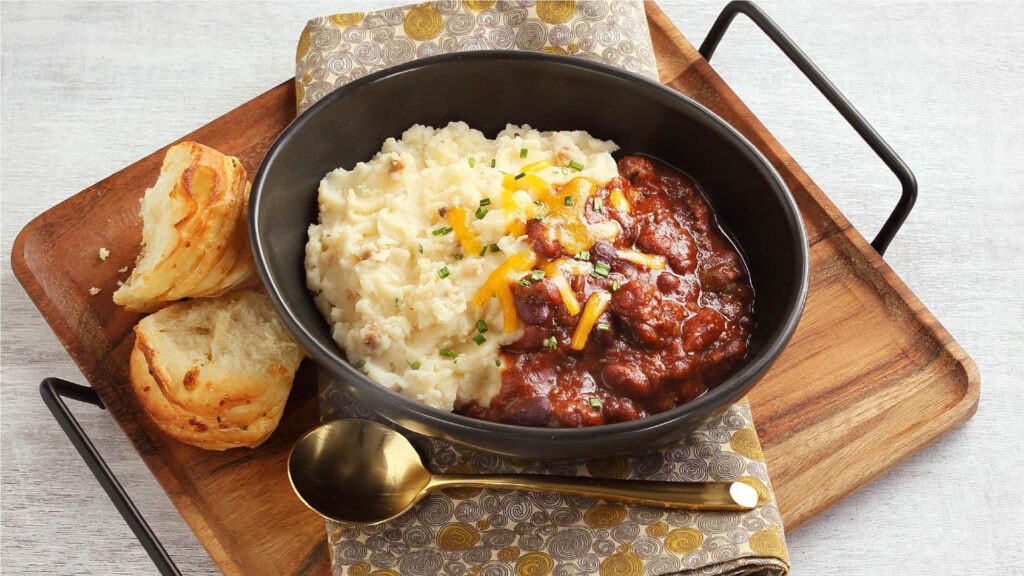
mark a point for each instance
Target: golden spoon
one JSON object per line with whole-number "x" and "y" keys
{"x": 359, "y": 471}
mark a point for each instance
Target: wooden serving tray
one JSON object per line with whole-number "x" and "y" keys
{"x": 869, "y": 378}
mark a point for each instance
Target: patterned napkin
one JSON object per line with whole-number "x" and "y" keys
{"x": 470, "y": 532}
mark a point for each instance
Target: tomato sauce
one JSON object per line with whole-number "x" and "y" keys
{"x": 676, "y": 325}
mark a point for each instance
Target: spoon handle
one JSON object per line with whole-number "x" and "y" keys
{"x": 691, "y": 495}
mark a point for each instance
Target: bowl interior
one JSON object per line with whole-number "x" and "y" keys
{"x": 488, "y": 91}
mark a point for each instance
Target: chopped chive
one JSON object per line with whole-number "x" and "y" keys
{"x": 421, "y": 248}
{"x": 449, "y": 353}
{"x": 550, "y": 342}
{"x": 472, "y": 162}
{"x": 524, "y": 282}
{"x": 595, "y": 402}
{"x": 493, "y": 162}
{"x": 602, "y": 269}
{"x": 615, "y": 285}
{"x": 391, "y": 365}
{"x": 479, "y": 339}
{"x": 494, "y": 248}
{"x": 481, "y": 326}
{"x": 575, "y": 165}
{"x": 485, "y": 202}
{"x": 603, "y": 327}
{"x": 523, "y": 152}
{"x": 483, "y": 250}
{"x": 359, "y": 363}
{"x": 538, "y": 202}
{"x": 569, "y": 201}
{"x": 442, "y": 231}
{"x": 540, "y": 217}
{"x": 458, "y": 256}
{"x": 415, "y": 364}
{"x": 598, "y": 204}
{"x": 516, "y": 135}
{"x": 480, "y": 212}
{"x": 398, "y": 303}
{"x": 498, "y": 362}
{"x": 537, "y": 275}
{"x": 444, "y": 272}
{"x": 520, "y": 175}
{"x": 583, "y": 255}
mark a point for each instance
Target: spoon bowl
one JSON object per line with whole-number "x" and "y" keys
{"x": 363, "y": 472}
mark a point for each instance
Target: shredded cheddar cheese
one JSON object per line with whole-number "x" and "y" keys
{"x": 568, "y": 296}
{"x": 651, "y": 261}
{"x": 596, "y": 304}
{"x": 498, "y": 284}
{"x": 618, "y": 200}
{"x": 458, "y": 219}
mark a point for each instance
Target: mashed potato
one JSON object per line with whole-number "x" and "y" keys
{"x": 406, "y": 241}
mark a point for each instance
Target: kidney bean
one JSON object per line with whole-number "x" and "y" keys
{"x": 626, "y": 379}
{"x": 530, "y": 411}
{"x": 702, "y": 329}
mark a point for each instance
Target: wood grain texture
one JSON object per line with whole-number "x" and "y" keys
{"x": 795, "y": 421}
{"x": 881, "y": 378}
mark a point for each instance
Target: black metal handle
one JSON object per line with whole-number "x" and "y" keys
{"x": 909, "y": 194}
{"x": 53, "y": 391}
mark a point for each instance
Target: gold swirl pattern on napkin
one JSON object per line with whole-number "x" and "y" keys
{"x": 478, "y": 532}
{"x": 490, "y": 532}
{"x": 334, "y": 50}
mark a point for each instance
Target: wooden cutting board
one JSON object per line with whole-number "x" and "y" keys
{"x": 869, "y": 378}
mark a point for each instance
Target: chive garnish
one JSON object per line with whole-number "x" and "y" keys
{"x": 569, "y": 201}
{"x": 524, "y": 282}
{"x": 449, "y": 353}
{"x": 595, "y": 402}
{"x": 523, "y": 152}
{"x": 481, "y": 326}
{"x": 583, "y": 255}
{"x": 615, "y": 285}
{"x": 415, "y": 365}
{"x": 602, "y": 269}
{"x": 485, "y": 202}
{"x": 550, "y": 342}
{"x": 598, "y": 204}
{"x": 444, "y": 272}
{"x": 537, "y": 275}
{"x": 392, "y": 366}
{"x": 458, "y": 256}
{"x": 498, "y": 362}
{"x": 603, "y": 327}
{"x": 479, "y": 339}
{"x": 493, "y": 162}
{"x": 359, "y": 363}
{"x": 480, "y": 212}
{"x": 494, "y": 248}
{"x": 575, "y": 165}
{"x": 483, "y": 250}
{"x": 520, "y": 175}
{"x": 472, "y": 162}
{"x": 442, "y": 231}
{"x": 540, "y": 217}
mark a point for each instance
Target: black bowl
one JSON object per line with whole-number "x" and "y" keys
{"x": 487, "y": 90}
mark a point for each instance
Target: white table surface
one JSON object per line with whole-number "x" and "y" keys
{"x": 89, "y": 88}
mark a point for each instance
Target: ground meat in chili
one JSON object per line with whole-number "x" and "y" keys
{"x": 667, "y": 335}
